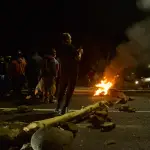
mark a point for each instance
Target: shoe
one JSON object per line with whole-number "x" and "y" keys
{"x": 64, "y": 110}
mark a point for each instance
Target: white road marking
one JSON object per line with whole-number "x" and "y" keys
{"x": 47, "y": 110}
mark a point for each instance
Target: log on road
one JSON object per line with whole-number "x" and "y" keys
{"x": 64, "y": 118}
{"x": 21, "y": 133}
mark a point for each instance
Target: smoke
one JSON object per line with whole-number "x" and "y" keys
{"x": 140, "y": 32}
{"x": 143, "y": 5}
{"x": 134, "y": 52}
{"x": 126, "y": 57}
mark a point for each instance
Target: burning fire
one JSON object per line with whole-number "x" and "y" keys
{"x": 103, "y": 87}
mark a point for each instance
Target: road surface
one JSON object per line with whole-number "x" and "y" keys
{"x": 132, "y": 130}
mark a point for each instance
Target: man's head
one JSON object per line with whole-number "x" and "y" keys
{"x": 19, "y": 53}
{"x": 66, "y": 38}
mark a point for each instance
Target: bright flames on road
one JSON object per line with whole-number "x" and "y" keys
{"x": 103, "y": 87}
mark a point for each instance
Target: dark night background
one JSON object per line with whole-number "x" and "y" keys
{"x": 96, "y": 25}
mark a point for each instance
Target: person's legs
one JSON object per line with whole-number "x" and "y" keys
{"x": 48, "y": 89}
{"x": 52, "y": 90}
{"x": 63, "y": 86}
{"x": 45, "y": 89}
{"x": 70, "y": 90}
{"x": 14, "y": 86}
{"x": 29, "y": 88}
{"x": 18, "y": 84}
{"x": 57, "y": 87}
{"x": 32, "y": 82}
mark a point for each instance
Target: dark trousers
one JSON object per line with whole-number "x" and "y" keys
{"x": 67, "y": 83}
{"x": 17, "y": 84}
{"x": 57, "y": 86}
{"x": 32, "y": 83}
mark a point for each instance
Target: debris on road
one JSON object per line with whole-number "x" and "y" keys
{"x": 131, "y": 99}
{"x": 70, "y": 127}
{"x": 110, "y": 142}
{"x": 107, "y": 126}
{"x": 113, "y": 97}
{"x": 5, "y": 112}
{"x": 20, "y": 134}
{"x": 101, "y": 120}
{"x": 118, "y": 94}
{"x": 126, "y": 108}
{"x": 52, "y": 138}
{"x": 122, "y": 101}
{"x": 24, "y": 109}
{"x": 96, "y": 115}
{"x": 122, "y": 97}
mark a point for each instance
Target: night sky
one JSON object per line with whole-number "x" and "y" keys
{"x": 95, "y": 24}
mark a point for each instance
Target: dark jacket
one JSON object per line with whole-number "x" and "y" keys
{"x": 33, "y": 68}
{"x": 48, "y": 67}
{"x": 16, "y": 69}
{"x": 68, "y": 56}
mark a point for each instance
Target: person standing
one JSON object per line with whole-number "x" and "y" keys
{"x": 16, "y": 72}
{"x": 33, "y": 72}
{"x": 48, "y": 75}
{"x": 69, "y": 58}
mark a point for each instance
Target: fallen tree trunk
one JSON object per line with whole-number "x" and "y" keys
{"x": 64, "y": 118}
{"x": 21, "y": 134}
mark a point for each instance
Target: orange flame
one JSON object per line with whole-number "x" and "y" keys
{"x": 103, "y": 87}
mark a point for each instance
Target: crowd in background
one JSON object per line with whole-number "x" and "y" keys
{"x": 49, "y": 77}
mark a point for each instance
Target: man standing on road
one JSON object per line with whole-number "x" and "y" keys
{"x": 69, "y": 58}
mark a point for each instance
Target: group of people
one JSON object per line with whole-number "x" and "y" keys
{"x": 54, "y": 75}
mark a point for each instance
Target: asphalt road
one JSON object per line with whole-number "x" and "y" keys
{"x": 132, "y": 130}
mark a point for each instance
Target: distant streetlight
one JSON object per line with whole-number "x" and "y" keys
{"x": 136, "y": 82}
{"x": 148, "y": 65}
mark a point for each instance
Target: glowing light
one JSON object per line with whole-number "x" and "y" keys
{"x": 103, "y": 87}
